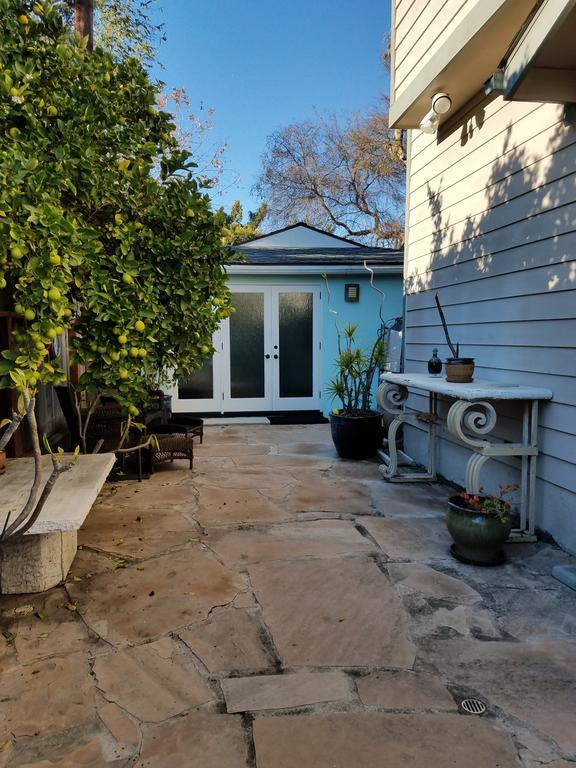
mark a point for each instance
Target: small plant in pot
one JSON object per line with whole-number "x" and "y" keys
{"x": 480, "y": 524}
{"x": 459, "y": 370}
{"x": 356, "y": 428}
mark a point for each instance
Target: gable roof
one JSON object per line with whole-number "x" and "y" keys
{"x": 291, "y": 247}
{"x": 300, "y": 231}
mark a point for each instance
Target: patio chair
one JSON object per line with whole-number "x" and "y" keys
{"x": 168, "y": 448}
{"x": 189, "y": 426}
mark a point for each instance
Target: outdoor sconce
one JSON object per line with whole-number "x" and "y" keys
{"x": 441, "y": 104}
{"x": 352, "y": 292}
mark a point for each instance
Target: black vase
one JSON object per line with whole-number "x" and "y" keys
{"x": 435, "y": 364}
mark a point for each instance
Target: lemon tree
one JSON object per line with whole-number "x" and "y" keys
{"x": 105, "y": 230}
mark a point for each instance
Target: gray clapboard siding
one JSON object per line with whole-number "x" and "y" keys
{"x": 546, "y": 169}
{"x": 425, "y": 24}
{"x": 495, "y": 235}
{"x": 511, "y": 198}
{"x": 557, "y": 306}
{"x": 552, "y": 252}
{"x": 557, "y": 361}
{"x": 428, "y": 28}
{"x": 555, "y": 278}
{"x": 518, "y": 334}
{"x": 489, "y": 147}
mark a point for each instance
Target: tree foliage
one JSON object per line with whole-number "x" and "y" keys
{"x": 346, "y": 177}
{"x": 93, "y": 239}
{"x": 235, "y": 231}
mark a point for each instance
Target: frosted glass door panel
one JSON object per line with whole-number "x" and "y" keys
{"x": 247, "y": 378}
{"x": 296, "y": 337}
{"x": 199, "y": 385}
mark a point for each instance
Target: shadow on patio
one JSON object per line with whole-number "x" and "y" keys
{"x": 279, "y": 607}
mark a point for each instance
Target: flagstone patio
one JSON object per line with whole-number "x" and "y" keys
{"x": 278, "y": 607}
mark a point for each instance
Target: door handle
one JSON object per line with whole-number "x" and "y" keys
{"x": 267, "y": 357}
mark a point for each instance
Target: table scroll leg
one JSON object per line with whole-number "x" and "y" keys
{"x": 469, "y": 421}
{"x": 391, "y": 470}
{"x": 391, "y": 398}
{"x": 473, "y": 468}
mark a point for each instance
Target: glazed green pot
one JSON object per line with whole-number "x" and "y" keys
{"x": 478, "y": 538}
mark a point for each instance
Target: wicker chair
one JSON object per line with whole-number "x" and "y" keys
{"x": 168, "y": 448}
{"x": 189, "y": 426}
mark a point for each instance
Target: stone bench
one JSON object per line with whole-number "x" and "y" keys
{"x": 42, "y": 557}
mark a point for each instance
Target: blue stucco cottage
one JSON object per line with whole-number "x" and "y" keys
{"x": 276, "y": 352}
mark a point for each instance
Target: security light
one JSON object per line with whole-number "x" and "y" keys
{"x": 441, "y": 104}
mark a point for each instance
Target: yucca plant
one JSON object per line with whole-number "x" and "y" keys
{"x": 356, "y": 369}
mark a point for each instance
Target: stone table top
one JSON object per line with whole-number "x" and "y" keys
{"x": 476, "y": 390}
{"x": 71, "y": 498}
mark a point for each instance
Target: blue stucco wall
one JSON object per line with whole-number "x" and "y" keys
{"x": 365, "y": 313}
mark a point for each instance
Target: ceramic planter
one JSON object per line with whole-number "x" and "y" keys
{"x": 459, "y": 370}
{"x": 356, "y": 437}
{"x": 478, "y": 538}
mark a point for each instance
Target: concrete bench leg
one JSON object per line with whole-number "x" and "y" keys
{"x": 35, "y": 563}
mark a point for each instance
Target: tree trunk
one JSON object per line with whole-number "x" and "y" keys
{"x": 84, "y": 20}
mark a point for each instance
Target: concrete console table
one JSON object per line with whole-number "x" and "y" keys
{"x": 42, "y": 557}
{"x": 471, "y": 418}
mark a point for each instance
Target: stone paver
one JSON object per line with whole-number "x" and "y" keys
{"x": 333, "y": 612}
{"x": 535, "y": 683}
{"x": 134, "y": 533}
{"x": 278, "y": 606}
{"x": 142, "y": 496}
{"x": 406, "y": 539}
{"x": 152, "y": 682}
{"x": 47, "y": 697}
{"x": 124, "y": 730}
{"x": 41, "y": 626}
{"x": 432, "y": 583}
{"x": 88, "y": 755}
{"x": 143, "y": 602}
{"x": 320, "y": 538}
{"x": 374, "y": 739}
{"x": 245, "y": 694}
{"x": 199, "y": 739}
{"x": 229, "y": 641}
{"x": 224, "y": 506}
{"x": 315, "y": 493}
{"x": 398, "y": 689}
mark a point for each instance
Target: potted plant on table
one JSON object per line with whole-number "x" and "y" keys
{"x": 480, "y": 524}
{"x": 356, "y": 428}
{"x": 459, "y": 370}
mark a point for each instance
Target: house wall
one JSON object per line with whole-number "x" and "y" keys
{"x": 419, "y": 27}
{"x": 491, "y": 226}
{"x": 364, "y": 313}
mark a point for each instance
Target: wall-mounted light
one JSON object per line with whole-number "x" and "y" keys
{"x": 352, "y": 292}
{"x": 441, "y": 104}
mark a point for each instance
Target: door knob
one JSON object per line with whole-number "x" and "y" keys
{"x": 267, "y": 357}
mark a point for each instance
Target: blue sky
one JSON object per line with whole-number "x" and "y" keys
{"x": 263, "y": 65}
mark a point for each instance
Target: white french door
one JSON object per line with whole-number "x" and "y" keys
{"x": 267, "y": 355}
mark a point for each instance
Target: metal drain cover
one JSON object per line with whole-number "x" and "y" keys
{"x": 473, "y": 706}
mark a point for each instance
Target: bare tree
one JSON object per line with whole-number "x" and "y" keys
{"x": 345, "y": 177}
